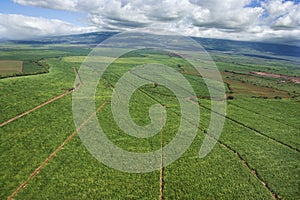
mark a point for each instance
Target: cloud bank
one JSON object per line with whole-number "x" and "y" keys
{"x": 13, "y": 26}
{"x": 267, "y": 20}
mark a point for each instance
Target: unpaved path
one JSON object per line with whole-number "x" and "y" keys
{"x": 47, "y": 102}
{"x": 161, "y": 180}
{"x": 54, "y": 153}
{"x": 35, "y": 108}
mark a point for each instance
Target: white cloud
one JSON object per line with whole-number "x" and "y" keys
{"x": 231, "y": 14}
{"x": 14, "y": 26}
{"x": 282, "y": 15}
{"x": 230, "y": 19}
{"x": 69, "y": 5}
{"x": 277, "y": 7}
{"x": 291, "y": 19}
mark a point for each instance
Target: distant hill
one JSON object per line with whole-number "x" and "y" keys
{"x": 242, "y": 46}
{"x": 86, "y": 38}
{"x": 256, "y": 49}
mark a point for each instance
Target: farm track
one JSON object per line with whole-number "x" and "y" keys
{"x": 162, "y": 168}
{"x": 35, "y": 108}
{"x": 55, "y": 152}
{"x": 47, "y": 102}
{"x": 78, "y": 78}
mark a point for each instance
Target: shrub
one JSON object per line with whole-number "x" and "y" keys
{"x": 230, "y": 97}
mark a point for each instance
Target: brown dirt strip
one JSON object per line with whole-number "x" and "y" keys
{"x": 78, "y": 78}
{"x": 162, "y": 169}
{"x": 35, "y": 108}
{"x": 45, "y": 103}
{"x": 55, "y": 152}
{"x": 252, "y": 171}
{"x": 161, "y": 179}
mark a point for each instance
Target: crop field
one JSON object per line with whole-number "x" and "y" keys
{"x": 256, "y": 157}
{"x": 10, "y": 66}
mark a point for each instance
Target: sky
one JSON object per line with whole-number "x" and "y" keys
{"x": 276, "y": 21}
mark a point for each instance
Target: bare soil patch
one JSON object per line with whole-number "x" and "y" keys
{"x": 288, "y": 78}
{"x": 243, "y": 88}
{"x": 10, "y": 66}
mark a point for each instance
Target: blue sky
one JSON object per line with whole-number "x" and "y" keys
{"x": 258, "y": 20}
{"x": 9, "y": 7}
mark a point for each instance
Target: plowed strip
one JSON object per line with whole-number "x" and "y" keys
{"x": 55, "y": 152}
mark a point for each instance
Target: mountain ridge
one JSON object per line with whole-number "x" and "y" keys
{"x": 209, "y": 44}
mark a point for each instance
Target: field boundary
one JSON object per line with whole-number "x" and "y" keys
{"x": 55, "y": 152}
{"x": 47, "y": 102}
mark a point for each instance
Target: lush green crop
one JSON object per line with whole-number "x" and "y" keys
{"x": 260, "y": 136}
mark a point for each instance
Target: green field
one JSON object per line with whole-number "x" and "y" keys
{"x": 257, "y": 155}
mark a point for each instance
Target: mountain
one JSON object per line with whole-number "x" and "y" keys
{"x": 86, "y": 38}
{"x": 236, "y": 46}
{"x": 253, "y": 49}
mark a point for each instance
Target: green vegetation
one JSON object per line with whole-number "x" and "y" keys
{"x": 261, "y": 135}
{"x": 31, "y": 59}
{"x": 26, "y": 68}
